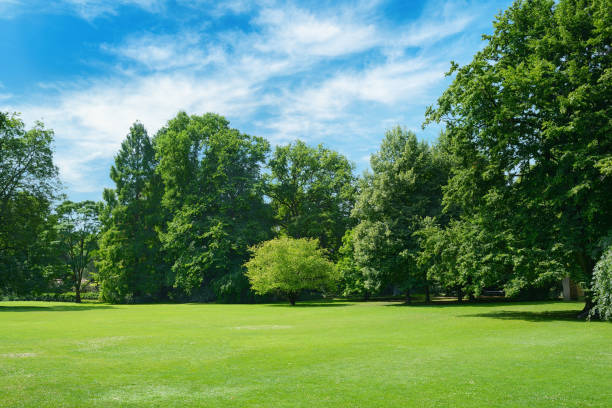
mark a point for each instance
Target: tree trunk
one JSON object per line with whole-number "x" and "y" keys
{"x": 408, "y": 297}
{"x": 587, "y": 264}
{"x": 459, "y": 294}
{"x": 366, "y": 295}
{"x": 427, "y": 297}
{"x": 292, "y": 298}
{"x": 77, "y": 292}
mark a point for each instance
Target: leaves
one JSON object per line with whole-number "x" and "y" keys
{"x": 287, "y": 266}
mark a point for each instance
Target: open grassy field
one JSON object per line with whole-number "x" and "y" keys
{"x": 312, "y": 355}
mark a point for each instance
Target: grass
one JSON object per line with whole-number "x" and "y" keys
{"x": 336, "y": 354}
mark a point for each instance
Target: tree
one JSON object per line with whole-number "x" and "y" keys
{"x": 312, "y": 193}
{"x": 352, "y": 280}
{"x": 529, "y": 124}
{"x": 130, "y": 259}
{"x": 287, "y": 266}
{"x": 405, "y": 186}
{"x": 214, "y": 191}
{"x": 77, "y": 232}
{"x": 28, "y": 184}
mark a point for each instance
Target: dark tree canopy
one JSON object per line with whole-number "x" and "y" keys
{"x": 28, "y": 185}
{"x": 403, "y": 188}
{"x": 312, "y": 192}
{"x": 213, "y": 191}
{"x": 130, "y": 258}
{"x": 529, "y": 123}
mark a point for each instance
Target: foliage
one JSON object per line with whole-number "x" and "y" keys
{"x": 462, "y": 257}
{"x": 528, "y": 123}
{"x": 287, "y": 266}
{"x": 130, "y": 259}
{"x": 28, "y": 184}
{"x": 78, "y": 230}
{"x": 53, "y": 296}
{"x": 351, "y": 279}
{"x": 602, "y": 286}
{"x": 214, "y": 193}
{"x": 312, "y": 193}
{"x": 404, "y": 187}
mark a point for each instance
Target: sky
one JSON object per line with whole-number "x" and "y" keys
{"x": 339, "y": 73}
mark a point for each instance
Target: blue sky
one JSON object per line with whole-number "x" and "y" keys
{"x": 333, "y": 72}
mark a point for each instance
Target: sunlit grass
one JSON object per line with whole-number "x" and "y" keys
{"x": 318, "y": 354}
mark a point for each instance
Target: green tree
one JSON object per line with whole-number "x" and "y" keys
{"x": 602, "y": 287}
{"x": 312, "y": 193}
{"x": 287, "y": 266}
{"x": 529, "y": 124}
{"x": 78, "y": 230}
{"x": 352, "y": 280}
{"x": 28, "y": 184}
{"x": 130, "y": 259}
{"x": 404, "y": 187}
{"x": 214, "y": 191}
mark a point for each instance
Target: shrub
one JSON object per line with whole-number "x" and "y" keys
{"x": 602, "y": 287}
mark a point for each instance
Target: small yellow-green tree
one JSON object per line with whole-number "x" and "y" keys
{"x": 287, "y": 266}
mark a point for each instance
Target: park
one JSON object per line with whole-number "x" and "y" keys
{"x": 306, "y": 204}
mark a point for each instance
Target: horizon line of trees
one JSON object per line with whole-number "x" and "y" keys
{"x": 516, "y": 193}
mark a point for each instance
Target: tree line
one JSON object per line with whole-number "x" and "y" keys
{"x": 515, "y": 194}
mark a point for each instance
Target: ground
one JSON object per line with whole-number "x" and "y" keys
{"x": 336, "y": 354}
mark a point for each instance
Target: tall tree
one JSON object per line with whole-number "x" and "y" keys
{"x": 530, "y": 124}
{"x": 405, "y": 186}
{"x": 78, "y": 231}
{"x": 214, "y": 191}
{"x": 312, "y": 193}
{"x": 130, "y": 259}
{"x": 28, "y": 184}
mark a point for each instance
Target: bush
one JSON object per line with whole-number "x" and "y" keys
{"x": 55, "y": 297}
{"x": 602, "y": 287}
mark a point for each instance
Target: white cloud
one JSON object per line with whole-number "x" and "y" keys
{"x": 87, "y": 9}
{"x": 284, "y": 70}
{"x": 298, "y": 32}
{"x": 163, "y": 52}
{"x": 90, "y": 9}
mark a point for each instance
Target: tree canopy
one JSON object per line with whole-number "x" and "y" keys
{"x": 287, "y": 266}
{"x": 405, "y": 186}
{"x": 528, "y": 122}
{"x": 28, "y": 186}
{"x": 312, "y": 193}
{"x": 213, "y": 191}
{"x": 130, "y": 259}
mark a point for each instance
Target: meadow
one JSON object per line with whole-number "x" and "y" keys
{"x": 316, "y": 354}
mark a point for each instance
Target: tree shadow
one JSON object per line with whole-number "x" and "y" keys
{"x": 545, "y": 316}
{"x": 53, "y": 308}
{"x": 309, "y": 304}
{"x": 470, "y": 304}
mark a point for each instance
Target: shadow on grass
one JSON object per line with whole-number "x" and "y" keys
{"x": 53, "y": 308}
{"x": 479, "y": 303}
{"x": 546, "y": 316}
{"x": 309, "y": 304}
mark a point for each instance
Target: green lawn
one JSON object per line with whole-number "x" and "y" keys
{"x": 312, "y": 355}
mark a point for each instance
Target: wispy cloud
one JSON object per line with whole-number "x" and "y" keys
{"x": 87, "y": 9}
{"x": 339, "y": 75}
